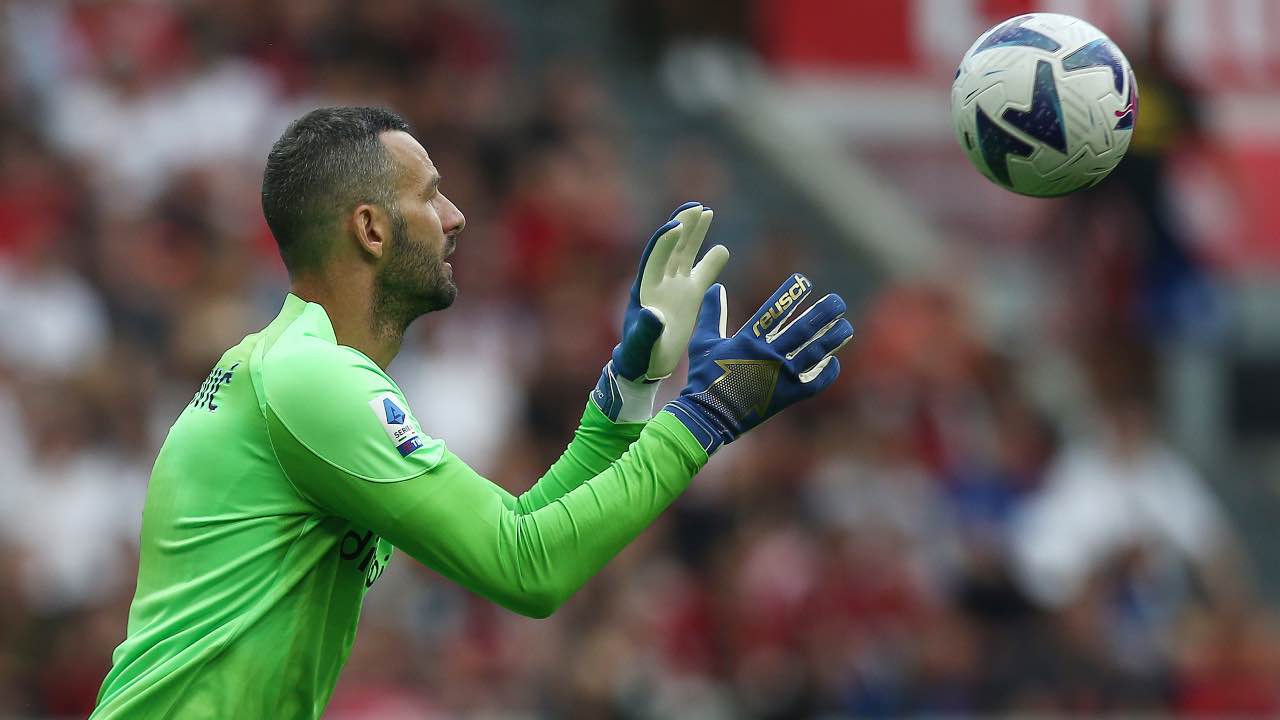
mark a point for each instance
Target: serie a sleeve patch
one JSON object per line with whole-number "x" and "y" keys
{"x": 391, "y": 411}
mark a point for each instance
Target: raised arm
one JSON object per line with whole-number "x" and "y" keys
{"x": 355, "y": 450}
{"x": 450, "y": 518}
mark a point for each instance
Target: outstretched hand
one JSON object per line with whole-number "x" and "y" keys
{"x": 739, "y": 381}
{"x": 661, "y": 311}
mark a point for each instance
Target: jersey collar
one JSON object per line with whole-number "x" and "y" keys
{"x": 315, "y": 320}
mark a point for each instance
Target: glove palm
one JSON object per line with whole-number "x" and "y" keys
{"x": 661, "y": 312}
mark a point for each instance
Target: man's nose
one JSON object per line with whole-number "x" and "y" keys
{"x": 452, "y": 218}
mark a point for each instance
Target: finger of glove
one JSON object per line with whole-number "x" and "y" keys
{"x": 712, "y": 317}
{"x": 695, "y": 231}
{"x": 792, "y": 336}
{"x": 779, "y": 306}
{"x": 632, "y": 361}
{"x": 821, "y": 376}
{"x": 828, "y": 341}
{"x": 653, "y": 263}
{"x": 682, "y": 208}
{"x": 691, "y": 221}
{"x": 709, "y": 267}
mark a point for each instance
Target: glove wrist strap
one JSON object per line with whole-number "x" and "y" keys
{"x": 622, "y": 400}
{"x": 703, "y": 429}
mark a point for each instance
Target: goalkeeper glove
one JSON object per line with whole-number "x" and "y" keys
{"x": 738, "y": 382}
{"x": 660, "y": 314}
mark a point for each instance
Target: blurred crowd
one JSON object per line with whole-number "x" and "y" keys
{"x": 923, "y": 539}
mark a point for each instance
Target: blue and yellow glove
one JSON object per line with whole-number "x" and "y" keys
{"x": 738, "y": 382}
{"x": 660, "y": 314}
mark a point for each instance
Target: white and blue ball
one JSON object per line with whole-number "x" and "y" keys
{"x": 1044, "y": 104}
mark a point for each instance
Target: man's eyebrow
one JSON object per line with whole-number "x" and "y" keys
{"x": 434, "y": 181}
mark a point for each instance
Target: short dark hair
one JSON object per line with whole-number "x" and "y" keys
{"x": 326, "y": 162}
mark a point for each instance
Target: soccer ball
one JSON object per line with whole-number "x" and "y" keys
{"x": 1044, "y": 104}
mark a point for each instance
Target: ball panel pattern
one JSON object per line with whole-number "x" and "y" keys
{"x": 1044, "y": 104}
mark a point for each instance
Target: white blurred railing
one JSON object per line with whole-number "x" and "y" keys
{"x": 874, "y": 219}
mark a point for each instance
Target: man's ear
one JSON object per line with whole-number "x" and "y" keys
{"x": 371, "y": 227}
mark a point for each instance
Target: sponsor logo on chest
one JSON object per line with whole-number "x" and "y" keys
{"x": 364, "y": 548}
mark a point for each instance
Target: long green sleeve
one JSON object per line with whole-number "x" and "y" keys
{"x": 528, "y": 560}
{"x": 596, "y": 444}
{"x": 349, "y": 445}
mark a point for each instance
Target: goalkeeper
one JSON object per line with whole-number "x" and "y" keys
{"x": 283, "y": 486}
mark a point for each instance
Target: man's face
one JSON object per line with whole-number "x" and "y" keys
{"x": 415, "y": 279}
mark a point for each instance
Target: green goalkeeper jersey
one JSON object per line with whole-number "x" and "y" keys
{"x": 280, "y": 491}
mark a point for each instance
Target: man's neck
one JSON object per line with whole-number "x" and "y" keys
{"x": 349, "y": 305}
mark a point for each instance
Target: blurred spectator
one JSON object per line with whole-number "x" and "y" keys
{"x": 70, "y": 329}
{"x": 1124, "y": 495}
{"x": 1122, "y": 543}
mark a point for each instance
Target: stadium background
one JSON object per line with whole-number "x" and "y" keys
{"x": 1047, "y": 481}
